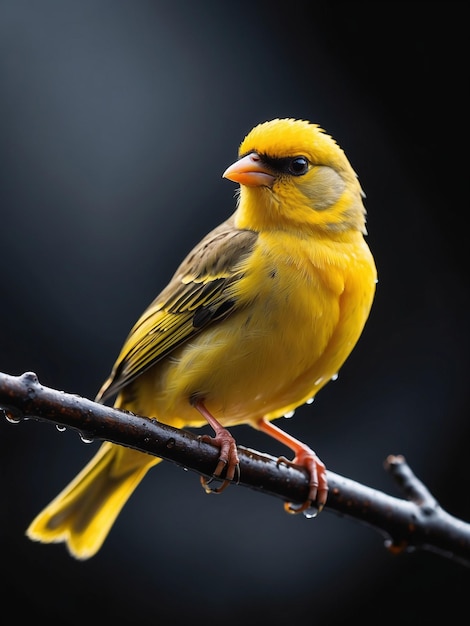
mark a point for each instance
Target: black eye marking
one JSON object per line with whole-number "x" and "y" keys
{"x": 295, "y": 166}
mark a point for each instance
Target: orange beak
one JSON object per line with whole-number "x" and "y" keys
{"x": 250, "y": 171}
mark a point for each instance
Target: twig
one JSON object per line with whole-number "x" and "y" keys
{"x": 417, "y": 522}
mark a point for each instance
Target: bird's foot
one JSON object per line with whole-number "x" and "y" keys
{"x": 228, "y": 460}
{"x": 228, "y": 457}
{"x": 318, "y": 484}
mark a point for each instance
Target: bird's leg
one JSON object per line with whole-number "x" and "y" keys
{"x": 228, "y": 450}
{"x": 304, "y": 457}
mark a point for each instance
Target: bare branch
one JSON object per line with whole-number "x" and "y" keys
{"x": 417, "y": 522}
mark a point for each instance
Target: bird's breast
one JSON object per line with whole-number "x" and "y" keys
{"x": 299, "y": 314}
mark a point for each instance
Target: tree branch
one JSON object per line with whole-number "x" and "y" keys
{"x": 417, "y": 522}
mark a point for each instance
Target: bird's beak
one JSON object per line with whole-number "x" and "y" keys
{"x": 250, "y": 171}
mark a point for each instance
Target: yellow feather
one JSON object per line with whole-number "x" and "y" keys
{"x": 255, "y": 321}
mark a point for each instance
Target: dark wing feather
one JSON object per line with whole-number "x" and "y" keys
{"x": 200, "y": 292}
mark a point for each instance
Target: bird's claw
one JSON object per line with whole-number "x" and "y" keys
{"x": 228, "y": 461}
{"x": 205, "y": 482}
{"x": 318, "y": 485}
{"x": 294, "y": 510}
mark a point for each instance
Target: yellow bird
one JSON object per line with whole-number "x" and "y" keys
{"x": 260, "y": 315}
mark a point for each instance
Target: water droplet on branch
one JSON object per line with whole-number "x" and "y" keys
{"x": 12, "y": 415}
{"x": 86, "y": 438}
{"x": 311, "y": 512}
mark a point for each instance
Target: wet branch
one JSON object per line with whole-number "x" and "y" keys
{"x": 415, "y": 522}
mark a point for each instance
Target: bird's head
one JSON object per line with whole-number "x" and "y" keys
{"x": 293, "y": 175}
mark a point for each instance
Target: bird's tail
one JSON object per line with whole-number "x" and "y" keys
{"x": 83, "y": 513}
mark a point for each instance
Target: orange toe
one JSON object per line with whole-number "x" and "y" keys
{"x": 318, "y": 484}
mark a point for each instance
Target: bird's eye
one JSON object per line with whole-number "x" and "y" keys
{"x": 298, "y": 166}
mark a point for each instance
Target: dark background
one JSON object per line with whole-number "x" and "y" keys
{"x": 117, "y": 120}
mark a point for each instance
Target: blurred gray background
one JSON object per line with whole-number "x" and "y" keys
{"x": 117, "y": 120}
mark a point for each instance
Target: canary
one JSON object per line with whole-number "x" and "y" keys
{"x": 259, "y": 316}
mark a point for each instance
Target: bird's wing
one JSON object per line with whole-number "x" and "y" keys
{"x": 200, "y": 292}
